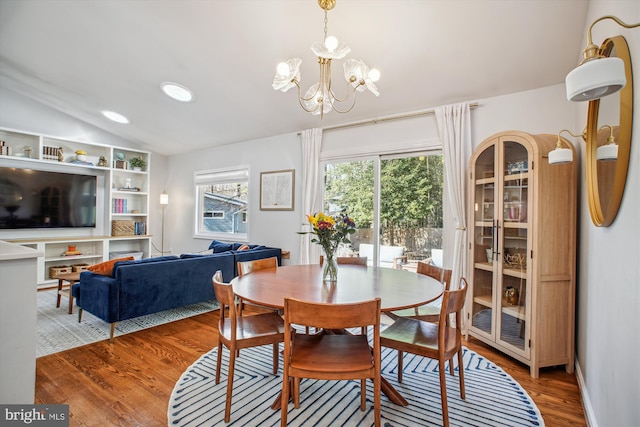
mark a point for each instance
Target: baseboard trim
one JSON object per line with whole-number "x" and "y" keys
{"x": 586, "y": 402}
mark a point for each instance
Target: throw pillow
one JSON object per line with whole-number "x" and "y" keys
{"x": 243, "y": 248}
{"x": 220, "y": 246}
{"x": 106, "y": 268}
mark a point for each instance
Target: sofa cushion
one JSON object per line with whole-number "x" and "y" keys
{"x": 220, "y": 246}
{"x": 106, "y": 268}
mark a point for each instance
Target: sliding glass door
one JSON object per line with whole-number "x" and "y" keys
{"x": 396, "y": 203}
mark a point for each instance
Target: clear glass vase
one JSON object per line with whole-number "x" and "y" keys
{"x": 330, "y": 269}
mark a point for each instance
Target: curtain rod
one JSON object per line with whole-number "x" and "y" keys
{"x": 387, "y": 119}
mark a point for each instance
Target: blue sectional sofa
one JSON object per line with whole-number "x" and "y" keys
{"x": 139, "y": 287}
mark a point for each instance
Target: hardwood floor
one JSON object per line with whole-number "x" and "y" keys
{"x": 128, "y": 383}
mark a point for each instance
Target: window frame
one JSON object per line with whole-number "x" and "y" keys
{"x": 240, "y": 174}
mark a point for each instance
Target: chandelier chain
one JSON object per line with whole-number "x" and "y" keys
{"x": 326, "y": 23}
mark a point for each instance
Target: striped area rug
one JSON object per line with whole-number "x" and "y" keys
{"x": 493, "y": 398}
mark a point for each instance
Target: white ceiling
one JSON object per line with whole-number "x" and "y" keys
{"x": 82, "y": 57}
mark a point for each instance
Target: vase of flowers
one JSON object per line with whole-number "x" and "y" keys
{"x": 329, "y": 232}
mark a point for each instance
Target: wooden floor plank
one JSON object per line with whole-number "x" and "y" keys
{"x": 129, "y": 382}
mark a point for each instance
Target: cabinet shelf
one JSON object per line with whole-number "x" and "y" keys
{"x": 483, "y": 181}
{"x": 72, "y": 257}
{"x": 517, "y": 311}
{"x": 486, "y": 266}
{"x": 514, "y": 176}
{"x": 125, "y": 214}
{"x": 484, "y": 300}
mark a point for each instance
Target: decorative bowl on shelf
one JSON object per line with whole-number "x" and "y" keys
{"x": 511, "y": 295}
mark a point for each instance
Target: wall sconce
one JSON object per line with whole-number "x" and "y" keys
{"x": 597, "y": 75}
{"x": 561, "y": 155}
{"x": 608, "y": 151}
{"x": 164, "y": 201}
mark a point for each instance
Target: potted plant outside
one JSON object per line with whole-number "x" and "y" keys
{"x": 137, "y": 163}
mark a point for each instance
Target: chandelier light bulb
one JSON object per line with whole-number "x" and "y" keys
{"x": 374, "y": 75}
{"x": 331, "y": 43}
{"x": 283, "y": 69}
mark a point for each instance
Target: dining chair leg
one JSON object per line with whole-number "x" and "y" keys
{"x": 461, "y": 374}
{"x": 377, "y": 390}
{"x": 451, "y": 366}
{"x": 218, "y": 363}
{"x": 296, "y": 392}
{"x": 232, "y": 364}
{"x": 400, "y": 367}
{"x": 284, "y": 404}
{"x": 363, "y": 394}
{"x": 275, "y": 359}
{"x": 443, "y": 394}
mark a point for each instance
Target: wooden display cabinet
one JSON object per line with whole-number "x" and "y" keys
{"x": 522, "y": 249}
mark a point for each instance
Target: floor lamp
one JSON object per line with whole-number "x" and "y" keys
{"x": 164, "y": 201}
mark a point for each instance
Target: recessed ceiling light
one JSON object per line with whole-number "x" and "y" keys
{"x": 177, "y": 91}
{"x": 118, "y": 118}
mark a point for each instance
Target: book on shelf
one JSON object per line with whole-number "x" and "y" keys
{"x": 119, "y": 206}
{"x": 140, "y": 228}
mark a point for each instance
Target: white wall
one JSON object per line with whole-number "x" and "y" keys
{"x": 608, "y": 333}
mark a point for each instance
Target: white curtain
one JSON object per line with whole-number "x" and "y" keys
{"x": 454, "y": 126}
{"x": 311, "y": 144}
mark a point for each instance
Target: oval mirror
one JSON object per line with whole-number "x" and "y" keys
{"x": 609, "y": 116}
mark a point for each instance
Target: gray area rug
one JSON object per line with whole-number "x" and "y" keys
{"x": 57, "y": 330}
{"x": 493, "y": 398}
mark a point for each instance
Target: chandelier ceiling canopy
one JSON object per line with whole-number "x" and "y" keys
{"x": 320, "y": 98}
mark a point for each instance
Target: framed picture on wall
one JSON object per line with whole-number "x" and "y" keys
{"x": 277, "y": 190}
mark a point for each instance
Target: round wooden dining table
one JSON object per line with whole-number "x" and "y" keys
{"x": 397, "y": 289}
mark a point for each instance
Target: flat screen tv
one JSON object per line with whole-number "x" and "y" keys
{"x": 40, "y": 199}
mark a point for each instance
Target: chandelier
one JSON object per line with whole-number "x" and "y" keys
{"x": 320, "y": 98}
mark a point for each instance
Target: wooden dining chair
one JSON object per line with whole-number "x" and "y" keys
{"x": 246, "y": 267}
{"x": 354, "y": 260}
{"x": 350, "y": 260}
{"x": 428, "y": 312}
{"x": 335, "y": 356}
{"x": 440, "y": 341}
{"x": 236, "y": 332}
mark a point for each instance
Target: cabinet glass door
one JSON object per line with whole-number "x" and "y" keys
{"x": 484, "y": 245}
{"x": 514, "y": 246}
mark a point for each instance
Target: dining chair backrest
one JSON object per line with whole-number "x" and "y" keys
{"x": 226, "y": 297}
{"x": 246, "y": 267}
{"x": 352, "y": 260}
{"x": 442, "y": 275}
{"x": 332, "y": 316}
{"x": 452, "y": 303}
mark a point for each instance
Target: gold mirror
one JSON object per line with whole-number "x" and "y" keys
{"x": 611, "y": 115}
